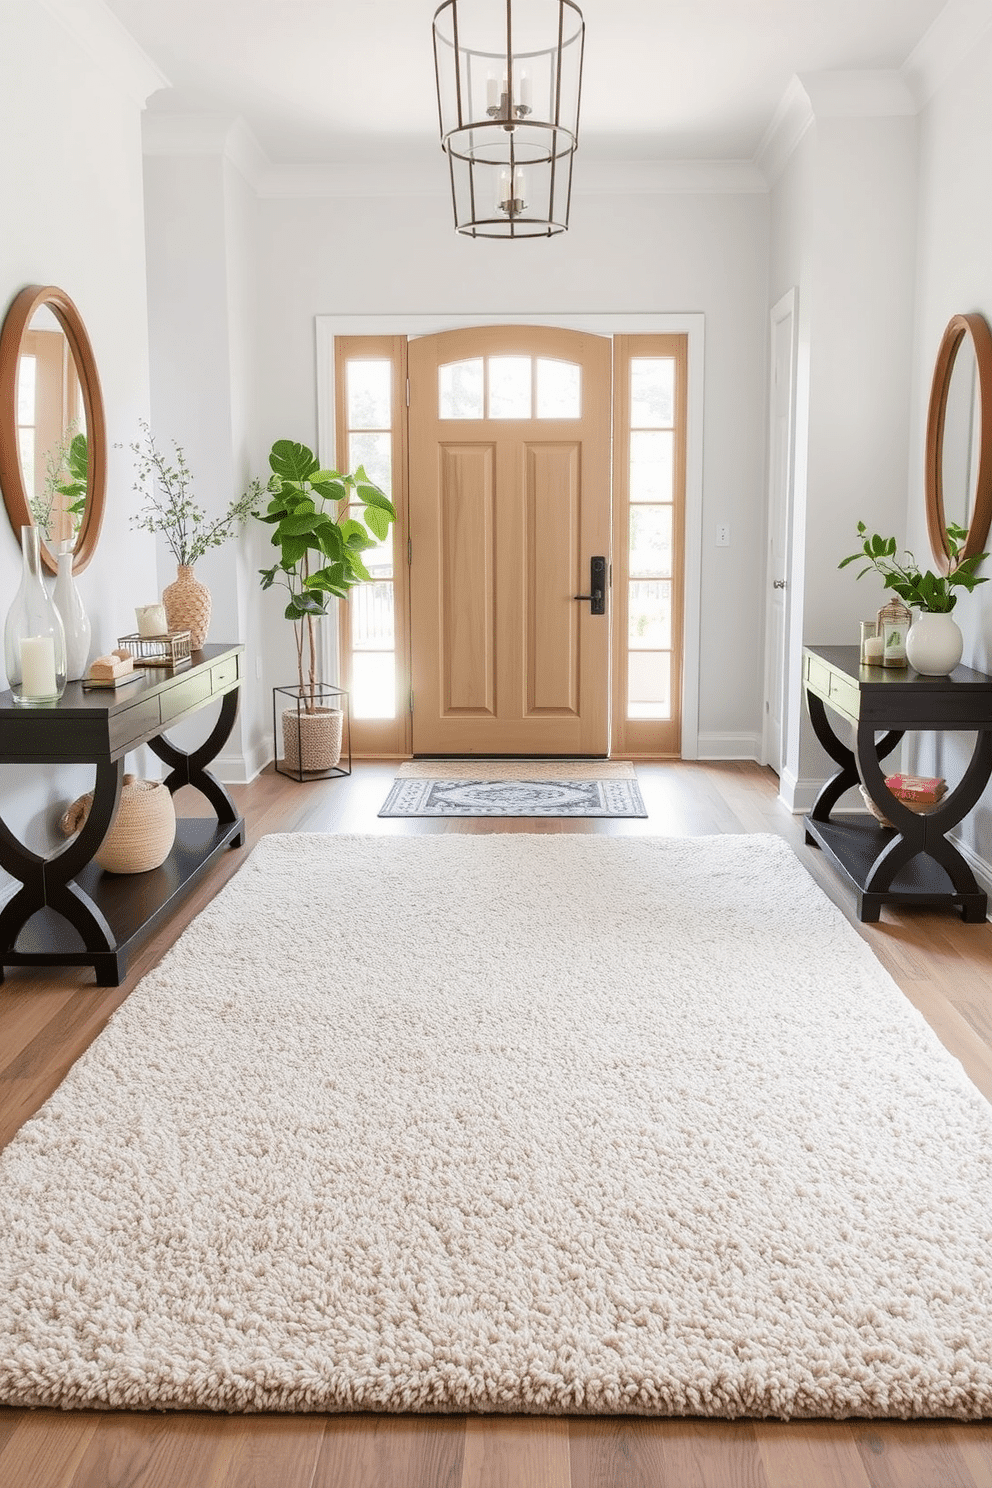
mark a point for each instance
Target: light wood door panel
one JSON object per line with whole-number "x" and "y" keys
{"x": 505, "y": 514}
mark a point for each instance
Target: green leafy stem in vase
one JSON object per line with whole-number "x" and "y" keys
{"x": 169, "y": 507}
{"x": 919, "y": 588}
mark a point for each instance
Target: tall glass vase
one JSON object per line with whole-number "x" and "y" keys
{"x": 75, "y": 621}
{"x": 33, "y": 637}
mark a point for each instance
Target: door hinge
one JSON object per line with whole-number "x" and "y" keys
{"x": 409, "y": 551}
{"x": 411, "y": 699}
{"x": 408, "y": 392}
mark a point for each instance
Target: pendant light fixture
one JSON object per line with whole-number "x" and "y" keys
{"x": 509, "y": 80}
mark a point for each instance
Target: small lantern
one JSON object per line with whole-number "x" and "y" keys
{"x": 894, "y": 620}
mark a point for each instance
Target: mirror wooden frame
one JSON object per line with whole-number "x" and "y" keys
{"x": 11, "y": 475}
{"x": 980, "y": 515}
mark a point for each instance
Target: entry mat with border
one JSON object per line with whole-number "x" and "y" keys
{"x": 514, "y": 798}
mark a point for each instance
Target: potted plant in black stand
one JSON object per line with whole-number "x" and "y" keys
{"x": 322, "y": 521}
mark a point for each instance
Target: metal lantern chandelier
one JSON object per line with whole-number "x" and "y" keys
{"x": 509, "y": 79}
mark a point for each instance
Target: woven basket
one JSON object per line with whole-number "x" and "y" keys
{"x": 920, "y": 807}
{"x": 312, "y": 741}
{"x": 141, "y": 834}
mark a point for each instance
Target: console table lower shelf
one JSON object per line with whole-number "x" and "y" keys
{"x": 855, "y": 847}
{"x": 132, "y": 905}
{"x": 68, "y": 911}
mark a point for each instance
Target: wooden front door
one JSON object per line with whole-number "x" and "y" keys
{"x": 509, "y": 436}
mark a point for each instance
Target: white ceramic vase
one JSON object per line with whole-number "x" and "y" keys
{"x": 75, "y": 621}
{"x": 934, "y": 644}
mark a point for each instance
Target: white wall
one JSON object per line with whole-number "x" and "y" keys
{"x": 202, "y": 291}
{"x": 844, "y": 218}
{"x": 70, "y": 161}
{"x": 635, "y": 253}
{"x": 954, "y": 276}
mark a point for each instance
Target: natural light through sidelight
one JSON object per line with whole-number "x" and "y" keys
{"x": 373, "y": 634}
{"x": 649, "y": 588}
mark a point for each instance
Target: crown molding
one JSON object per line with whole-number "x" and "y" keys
{"x": 789, "y": 123}
{"x": 205, "y": 134}
{"x": 108, "y": 43}
{"x": 667, "y": 178}
{"x": 830, "y": 95}
{"x": 949, "y": 41}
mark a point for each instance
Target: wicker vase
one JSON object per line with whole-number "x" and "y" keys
{"x": 312, "y": 741}
{"x": 141, "y": 834}
{"x": 187, "y": 605}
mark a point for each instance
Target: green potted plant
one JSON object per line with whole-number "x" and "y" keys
{"x": 322, "y": 521}
{"x": 169, "y": 508}
{"x": 934, "y": 644}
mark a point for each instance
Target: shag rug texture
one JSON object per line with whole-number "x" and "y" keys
{"x": 507, "y": 1123}
{"x": 515, "y": 769}
{"x": 482, "y": 797}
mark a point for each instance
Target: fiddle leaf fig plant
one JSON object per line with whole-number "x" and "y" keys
{"x": 312, "y": 513}
{"x": 921, "y": 589}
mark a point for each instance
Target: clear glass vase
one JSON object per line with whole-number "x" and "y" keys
{"x": 33, "y": 637}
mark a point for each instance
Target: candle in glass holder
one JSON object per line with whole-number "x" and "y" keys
{"x": 38, "y": 666}
{"x": 151, "y": 620}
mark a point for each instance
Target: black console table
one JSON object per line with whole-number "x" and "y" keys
{"x": 912, "y": 861}
{"x": 68, "y": 912}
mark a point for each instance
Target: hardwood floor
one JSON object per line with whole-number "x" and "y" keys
{"x": 46, "y": 1021}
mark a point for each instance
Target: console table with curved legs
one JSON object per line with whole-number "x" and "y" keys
{"x": 67, "y": 911}
{"x": 912, "y": 861}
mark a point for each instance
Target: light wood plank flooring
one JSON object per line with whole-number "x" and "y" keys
{"x": 47, "y": 1021}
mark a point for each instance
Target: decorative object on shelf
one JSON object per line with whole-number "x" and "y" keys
{"x": 188, "y": 605}
{"x": 920, "y": 793}
{"x": 34, "y": 639}
{"x": 75, "y": 621}
{"x": 169, "y": 509}
{"x": 931, "y": 594}
{"x": 313, "y": 739}
{"x": 142, "y": 832}
{"x": 893, "y": 623}
{"x": 871, "y": 643}
{"x": 934, "y": 644}
{"x": 63, "y": 488}
{"x": 170, "y": 650}
{"x": 320, "y": 560}
{"x": 509, "y": 76}
{"x": 112, "y": 668}
{"x": 151, "y": 620}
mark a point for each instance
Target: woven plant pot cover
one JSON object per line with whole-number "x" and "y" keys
{"x": 141, "y": 834}
{"x": 312, "y": 741}
{"x": 187, "y": 605}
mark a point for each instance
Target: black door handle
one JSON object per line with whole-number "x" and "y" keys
{"x": 597, "y": 586}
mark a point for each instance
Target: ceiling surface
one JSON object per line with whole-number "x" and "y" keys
{"x": 325, "y": 81}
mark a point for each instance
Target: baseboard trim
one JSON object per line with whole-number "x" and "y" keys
{"x": 729, "y": 747}
{"x": 239, "y": 769}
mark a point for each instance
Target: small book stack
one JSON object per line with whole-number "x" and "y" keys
{"x": 918, "y": 792}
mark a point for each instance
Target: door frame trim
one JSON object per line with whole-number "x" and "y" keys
{"x": 691, "y": 325}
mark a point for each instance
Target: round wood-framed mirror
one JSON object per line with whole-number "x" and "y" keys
{"x": 958, "y": 460}
{"x": 53, "y": 438}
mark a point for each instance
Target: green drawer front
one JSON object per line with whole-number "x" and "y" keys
{"x": 818, "y": 676}
{"x": 844, "y": 695}
{"x": 224, "y": 673}
{"x": 185, "y": 695}
{"x": 138, "y": 722}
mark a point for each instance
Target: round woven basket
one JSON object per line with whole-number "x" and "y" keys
{"x": 141, "y": 834}
{"x": 312, "y": 741}
{"x": 920, "y": 807}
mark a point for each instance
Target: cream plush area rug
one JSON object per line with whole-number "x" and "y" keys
{"x": 507, "y": 1123}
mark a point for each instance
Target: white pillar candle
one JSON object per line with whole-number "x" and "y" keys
{"x": 525, "y": 93}
{"x": 38, "y": 666}
{"x": 503, "y": 191}
{"x": 873, "y": 650}
{"x": 519, "y": 183}
{"x": 492, "y": 91}
{"x": 151, "y": 620}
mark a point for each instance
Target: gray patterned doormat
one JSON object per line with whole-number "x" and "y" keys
{"x": 514, "y": 798}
